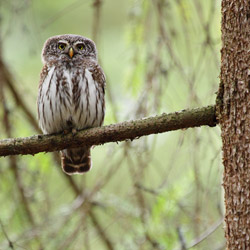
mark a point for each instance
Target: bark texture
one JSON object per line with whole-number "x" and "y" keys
{"x": 233, "y": 107}
{"x": 113, "y": 133}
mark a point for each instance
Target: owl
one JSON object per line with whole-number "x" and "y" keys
{"x": 71, "y": 94}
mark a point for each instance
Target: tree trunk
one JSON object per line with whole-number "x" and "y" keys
{"x": 233, "y": 109}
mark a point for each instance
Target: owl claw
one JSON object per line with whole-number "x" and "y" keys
{"x": 74, "y": 131}
{"x": 66, "y": 131}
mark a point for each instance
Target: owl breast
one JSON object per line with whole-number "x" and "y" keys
{"x": 70, "y": 98}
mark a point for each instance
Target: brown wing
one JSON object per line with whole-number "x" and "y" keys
{"x": 98, "y": 75}
{"x": 43, "y": 74}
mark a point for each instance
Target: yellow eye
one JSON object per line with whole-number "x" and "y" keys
{"x": 61, "y": 46}
{"x": 80, "y": 46}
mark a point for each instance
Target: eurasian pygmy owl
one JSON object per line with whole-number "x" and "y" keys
{"x": 71, "y": 93}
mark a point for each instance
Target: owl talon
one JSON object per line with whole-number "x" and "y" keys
{"x": 66, "y": 131}
{"x": 74, "y": 131}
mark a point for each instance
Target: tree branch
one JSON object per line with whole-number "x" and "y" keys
{"x": 128, "y": 130}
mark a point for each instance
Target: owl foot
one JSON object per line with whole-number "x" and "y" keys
{"x": 66, "y": 131}
{"x": 74, "y": 131}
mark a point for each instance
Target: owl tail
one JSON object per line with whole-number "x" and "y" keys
{"x": 76, "y": 160}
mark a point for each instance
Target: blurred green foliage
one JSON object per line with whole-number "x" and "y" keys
{"x": 159, "y": 56}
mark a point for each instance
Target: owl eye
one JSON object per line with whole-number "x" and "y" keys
{"x": 61, "y": 46}
{"x": 80, "y": 46}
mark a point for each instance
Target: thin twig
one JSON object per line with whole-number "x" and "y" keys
{"x": 100, "y": 230}
{"x": 181, "y": 239}
{"x": 6, "y": 235}
{"x": 206, "y": 234}
{"x": 67, "y": 9}
{"x": 96, "y": 21}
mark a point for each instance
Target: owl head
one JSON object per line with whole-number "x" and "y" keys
{"x": 68, "y": 48}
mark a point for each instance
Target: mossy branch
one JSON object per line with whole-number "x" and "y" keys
{"x": 128, "y": 130}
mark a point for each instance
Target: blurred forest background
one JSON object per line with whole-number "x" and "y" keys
{"x": 158, "y": 192}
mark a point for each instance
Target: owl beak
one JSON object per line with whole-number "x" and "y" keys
{"x": 71, "y": 52}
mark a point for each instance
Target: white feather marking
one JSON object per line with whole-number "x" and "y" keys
{"x": 55, "y": 115}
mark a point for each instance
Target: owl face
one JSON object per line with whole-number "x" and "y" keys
{"x": 68, "y": 49}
